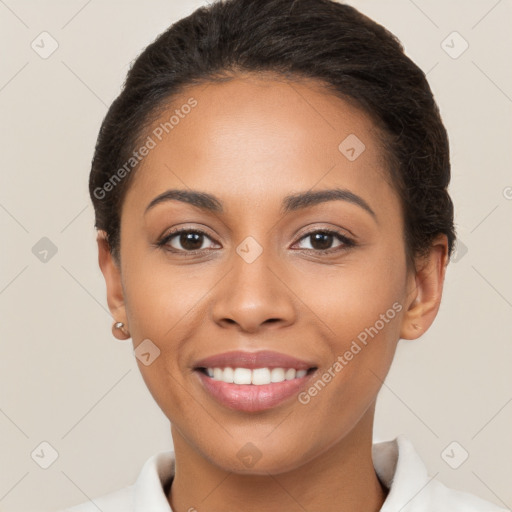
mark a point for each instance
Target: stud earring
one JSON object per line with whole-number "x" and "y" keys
{"x": 119, "y": 332}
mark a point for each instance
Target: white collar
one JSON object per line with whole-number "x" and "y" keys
{"x": 396, "y": 463}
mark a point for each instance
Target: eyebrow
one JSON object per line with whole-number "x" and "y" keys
{"x": 306, "y": 199}
{"x": 293, "y": 202}
{"x": 202, "y": 200}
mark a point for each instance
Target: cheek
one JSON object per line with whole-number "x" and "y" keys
{"x": 362, "y": 352}
{"x": 351, "y": 298}
{"x": 362, "y": 311}
{"x": 159, "y": 305}
{"x": 159, "y": 298}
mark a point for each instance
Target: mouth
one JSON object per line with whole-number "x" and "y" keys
{"x": 253, "y": 381}
{"x": 255, "y": 377}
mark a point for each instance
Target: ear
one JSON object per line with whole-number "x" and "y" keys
{"x": 115, "y": 295}
{"x": 425, "y": 290}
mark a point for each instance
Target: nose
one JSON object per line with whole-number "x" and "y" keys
{"x": 254, "y": 295}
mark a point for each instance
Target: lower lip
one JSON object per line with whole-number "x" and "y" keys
{"x": 251, "y": 398}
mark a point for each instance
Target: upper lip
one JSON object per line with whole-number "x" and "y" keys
{"x": 251, "y": 360}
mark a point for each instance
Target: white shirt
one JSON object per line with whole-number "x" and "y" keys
{"x": 396, "y": 463}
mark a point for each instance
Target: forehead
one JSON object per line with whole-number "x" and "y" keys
{"x": 253, "y": 138}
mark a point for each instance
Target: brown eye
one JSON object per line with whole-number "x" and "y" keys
{"x": 191, "y": 241}
{"x": 321, "y": 241}
{"x": 186, "y": 240}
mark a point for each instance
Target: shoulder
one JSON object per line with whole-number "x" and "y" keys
{"x": 411, "y": 489}
{"x": 147, "y": 493}
{"x": 451, "y": 499}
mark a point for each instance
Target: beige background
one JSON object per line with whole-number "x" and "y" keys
{"x": 65, "y": 380}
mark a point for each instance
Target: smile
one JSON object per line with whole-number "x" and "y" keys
{"x": 253, "y": 381}
{"x": 253, "y": 390}
{"x": 256, "y": 376}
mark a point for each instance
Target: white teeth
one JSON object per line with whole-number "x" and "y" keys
{"x": 277, "y": 375}
{"x": 257, "y": 377}
{"x": 290, "y": 374}
{"x": 260, "y": 376}
{"x": 241, "y": 375}
{"x": 228, "y": 375}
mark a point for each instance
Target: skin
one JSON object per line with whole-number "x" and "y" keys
{"x": 251, "y": 142}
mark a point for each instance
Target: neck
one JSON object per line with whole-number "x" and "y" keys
{"x": 341, "y": 478}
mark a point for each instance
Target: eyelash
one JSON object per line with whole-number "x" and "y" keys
{"x": 347, "y": 242}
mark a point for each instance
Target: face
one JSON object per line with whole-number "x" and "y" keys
{"x": 269, "y": 271}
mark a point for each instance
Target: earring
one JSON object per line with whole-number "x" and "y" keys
{"x": 119, "y": 332}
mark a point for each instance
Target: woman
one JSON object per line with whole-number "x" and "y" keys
{"x": 270, "y": 191}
